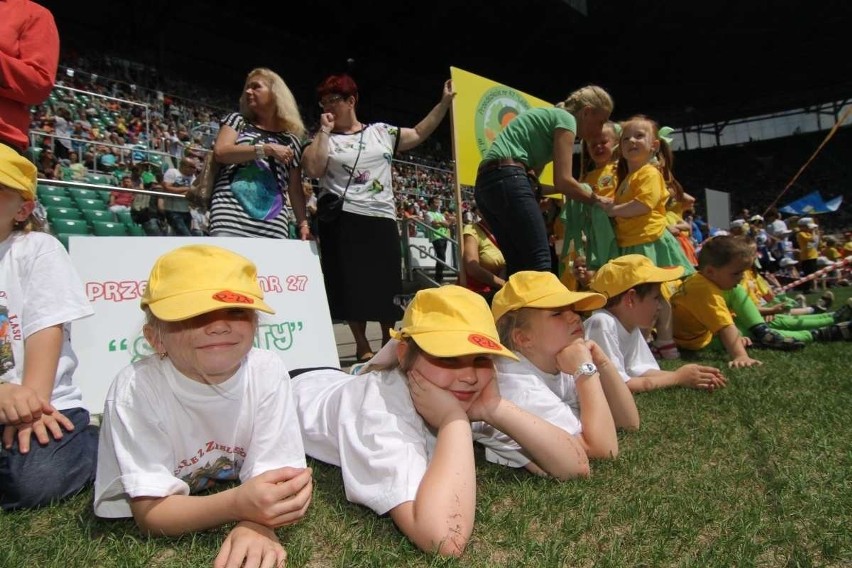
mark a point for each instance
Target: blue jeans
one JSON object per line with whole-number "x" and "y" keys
{"x": 506, "y": 198}
{"x": 51, "y": 472}
{"x": 180, "y": 222}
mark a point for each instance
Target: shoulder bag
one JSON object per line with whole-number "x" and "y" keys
{"x": 330, "y": 205}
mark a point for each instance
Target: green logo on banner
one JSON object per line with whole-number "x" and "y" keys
{"x": 495, "y": 110}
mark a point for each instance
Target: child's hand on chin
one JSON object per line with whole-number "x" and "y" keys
{"x": 436, "y": 405}
{"x": 571, "y": 357}
{"x": 486, "y": 403}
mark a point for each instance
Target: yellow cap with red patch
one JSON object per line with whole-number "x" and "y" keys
{"x": 197, "y": 279}
{"x": 451, "y": 321}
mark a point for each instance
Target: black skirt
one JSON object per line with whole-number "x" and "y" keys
{"x": 362, "y": 267}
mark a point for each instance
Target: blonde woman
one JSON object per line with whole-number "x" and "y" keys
{"x": 507, "y": 179}
{"x": 258, "y": 150}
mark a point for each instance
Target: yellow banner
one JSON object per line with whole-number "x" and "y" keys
{"x": 481, "y": 110}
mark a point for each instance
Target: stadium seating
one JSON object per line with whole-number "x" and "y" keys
{"x": 63, "y": 213}
{"x": 44, "y": 190}
{"x": 57, "y": 201}
{"x": 79, "y": 193}
{"x": 70, "y": 227}
{"x": 134, "y": 230}
{"x": 91, "y": 204}
{"x": 109, "y": 229}
{"x": 92, "y": 215}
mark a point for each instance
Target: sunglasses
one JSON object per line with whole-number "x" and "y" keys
{"x": 328, "y": 101}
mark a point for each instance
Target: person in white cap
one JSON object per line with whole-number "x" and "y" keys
{"x": 49, "y": 448}
{"x": 206, "y": 407}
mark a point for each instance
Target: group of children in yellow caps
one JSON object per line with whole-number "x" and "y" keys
{"x": 536, "y": 385}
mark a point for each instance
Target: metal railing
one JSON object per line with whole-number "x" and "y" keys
{"x": 408, "y": 248}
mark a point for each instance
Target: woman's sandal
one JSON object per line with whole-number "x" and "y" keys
{"x": 365, "y": 357}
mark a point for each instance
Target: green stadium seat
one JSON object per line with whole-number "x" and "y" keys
{"x": 63, "y": 213}
{"x": 91, "y": 204}
{"x": 106, "y": 229}
{"x": 70, "y": 227}
{"x": 42, "y": 190}
{"x": 92, "y": 215}
{"x": 80, "y": 193}
{"x": 103, "y": 179}
{"x": 134, "y": 230}
{"x": 63, "y": 238}
{"x": 124, "y": 216}
{"x": 57, "y": 201}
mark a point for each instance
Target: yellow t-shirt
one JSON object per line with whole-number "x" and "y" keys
{"x": 490, "y": 257}
{"x": 603, "y": 180}
{"x": 807, "y": 245}
{"x": 646, "y": 186}
{"x": 752, "y": 286}
{"x": 698, "y": 312}
{"x": 832, "y": 254}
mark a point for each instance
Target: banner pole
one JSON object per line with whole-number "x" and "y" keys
{"x": 459, "y": 212}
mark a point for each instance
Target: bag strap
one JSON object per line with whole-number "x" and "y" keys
{"x": 355, "y": 165}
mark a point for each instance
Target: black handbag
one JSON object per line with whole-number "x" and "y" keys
{"x": 330, "y": 205}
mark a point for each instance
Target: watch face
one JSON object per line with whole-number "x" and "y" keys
{"x": 587, "y": 369}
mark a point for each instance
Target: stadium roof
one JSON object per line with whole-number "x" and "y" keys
{"x": 682, "y": 62}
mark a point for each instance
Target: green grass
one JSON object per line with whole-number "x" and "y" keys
{"x": 757, "y": 474}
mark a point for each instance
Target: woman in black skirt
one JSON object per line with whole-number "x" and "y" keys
{"x": 360, "y": 250}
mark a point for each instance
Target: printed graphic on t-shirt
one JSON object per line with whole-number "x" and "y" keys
{"x": 225, "y": 467}
{"x": 256, "y": 188}
{"x": 7, "y": 356}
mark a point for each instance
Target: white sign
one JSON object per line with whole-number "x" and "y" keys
{"x": 718, "y": 208}
{"x": 420, "y": 246}
{"x": 114, "y": 271}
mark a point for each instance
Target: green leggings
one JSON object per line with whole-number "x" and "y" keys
{"x": 746, "y": 316}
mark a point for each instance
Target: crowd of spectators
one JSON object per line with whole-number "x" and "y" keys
{"x": 138, "y": 121}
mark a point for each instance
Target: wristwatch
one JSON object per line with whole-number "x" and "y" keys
{"x": 585, "y": 370}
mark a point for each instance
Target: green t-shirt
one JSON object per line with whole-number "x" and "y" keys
{"x": 529, "y": 137}
{"x": 438, "y": 232}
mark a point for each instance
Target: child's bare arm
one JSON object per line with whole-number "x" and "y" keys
{"x": 730, "y": 338}
{"x": 621, "y": 402}
{"x": 599, "y": 437}
{"x": 275, "y": 498}
{"x": 553, "y": 451}
{"x": 41, "y": 357}
{"x": 440, "y": 519}
{"x": 632, "y": 208}
{"x": 250, "y": 544}
{"x": 691, "y": 376}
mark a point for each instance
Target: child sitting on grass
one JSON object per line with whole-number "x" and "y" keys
{"x": 631, "y": 284}
{"x": 49, "y": 447}
{"x": 700, "y": 311}
{"x": 206, "y": 408}
{"x": 560, "y": 376}
{"x": 401, "y": 431}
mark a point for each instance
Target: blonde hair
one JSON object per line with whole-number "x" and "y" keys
{"x": 286, "y": 109}
{"x": 591, "y": 96}
{"x": 655, "y": 130}
{"x": 587, "y": 164}
{"x": 509, "y": 322}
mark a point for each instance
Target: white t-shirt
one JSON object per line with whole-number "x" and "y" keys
{"x": 39, "y": 288}
{"x": 551, "y": 397}
{"x": 164, "y": 434}
{"x": 366, "y": 425}
{"x": 370, "y": 192}
{"x": 628, "y": 350}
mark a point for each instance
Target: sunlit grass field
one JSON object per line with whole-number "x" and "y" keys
{"x": 757, "y": 474}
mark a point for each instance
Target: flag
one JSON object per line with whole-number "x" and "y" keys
{"x": 481, "y": 110}
{"x": 812, "y": 204}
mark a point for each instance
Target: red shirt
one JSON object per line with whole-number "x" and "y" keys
{"x": 29, "y": 57}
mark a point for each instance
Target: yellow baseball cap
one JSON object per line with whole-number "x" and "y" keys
{"x": 534, "y": 289}
{"x": 623, "y": 273}
{"x": 451, "y": 321}
{"x": 197, "y": 279}
{"x": 17, "y": 172}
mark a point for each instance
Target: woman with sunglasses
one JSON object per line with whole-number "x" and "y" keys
{"x": 359, "y": 242}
